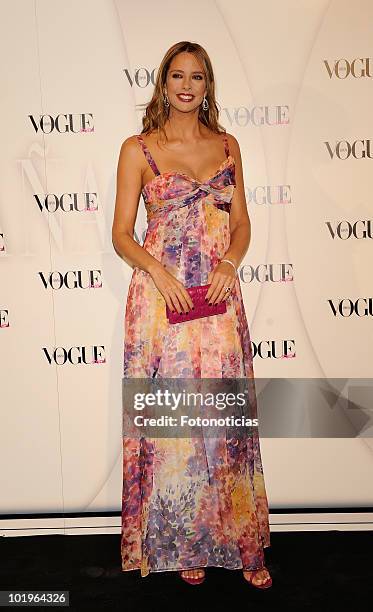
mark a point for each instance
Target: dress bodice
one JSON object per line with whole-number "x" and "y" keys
{"x": 170, "y": 190}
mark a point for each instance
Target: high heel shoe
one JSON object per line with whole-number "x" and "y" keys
{"x": 267, "y": 581}
{"x": 191, "y": 580}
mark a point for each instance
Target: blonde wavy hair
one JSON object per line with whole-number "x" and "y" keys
{"x": 156, "y": 113}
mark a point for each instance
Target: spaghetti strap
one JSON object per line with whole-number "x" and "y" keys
{"x": 147, "y": 154}
{"x": 226, "y": 145}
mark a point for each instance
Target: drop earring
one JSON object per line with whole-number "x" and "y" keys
{"x": 166, "y": 101}
{"x": 205, "y": 104}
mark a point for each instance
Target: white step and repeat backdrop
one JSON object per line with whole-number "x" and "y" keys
{"x": 294, "y": 84}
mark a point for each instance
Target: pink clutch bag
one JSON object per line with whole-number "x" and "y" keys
{"x": 201, "y": 307}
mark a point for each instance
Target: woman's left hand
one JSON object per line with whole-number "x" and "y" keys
{"x": 222, "y": 276}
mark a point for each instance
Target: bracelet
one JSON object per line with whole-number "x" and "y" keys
{"x": 231, "y": 262}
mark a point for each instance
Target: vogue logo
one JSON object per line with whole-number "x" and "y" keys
{"x": 343, "y": 149}
{"x": 72, "y": 279}
{"x": 76, "y": 355}
{"x": 274, "y": 349}
{"x": 4, "y": 318}
{"x": 362, "y": 307}
{"x": 71, "y": 122}
{"x": 358, "y": 68}
{"x": 267, "y": 273}
{"x": 270, "y": 194}
{"x": 344, "y": 230}
{"x": 142, "y": 77}
{"x": 258, "y": 115}
{"x": 67, "y": 202}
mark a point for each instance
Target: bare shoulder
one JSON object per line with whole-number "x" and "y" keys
{"x": 131, "y": 157}
{"x": 130, "y": 146}
{"x": 234, "y": 147}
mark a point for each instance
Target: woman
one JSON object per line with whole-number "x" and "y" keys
{"x": 176, "y": 514}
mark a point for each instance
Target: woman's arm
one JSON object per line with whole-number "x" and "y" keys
{"x": 223, "y": 274}
{"x": 239, "y": 221}
{"x": 129, "y": 181}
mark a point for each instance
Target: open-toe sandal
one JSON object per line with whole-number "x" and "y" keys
{"x": 265, "y": 585}
{"x": 191, "y": 580}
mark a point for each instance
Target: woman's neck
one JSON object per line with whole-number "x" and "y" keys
{"x": 183, "y": 127}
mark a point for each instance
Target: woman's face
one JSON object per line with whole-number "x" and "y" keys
{"x": 186, "y": 82}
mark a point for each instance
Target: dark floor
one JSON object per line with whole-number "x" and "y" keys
{"x": 329, "y": 570}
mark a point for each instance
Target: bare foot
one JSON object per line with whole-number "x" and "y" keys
{"x": 257, "y": 577}
{"x": 194, "y": 573}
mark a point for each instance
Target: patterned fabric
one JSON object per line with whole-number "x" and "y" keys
{"x": 190, "y": 502}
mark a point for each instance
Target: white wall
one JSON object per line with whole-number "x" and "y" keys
{"x": 60, "y": 435}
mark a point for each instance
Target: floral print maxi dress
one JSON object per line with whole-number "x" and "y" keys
{"x": 183, "y": 507}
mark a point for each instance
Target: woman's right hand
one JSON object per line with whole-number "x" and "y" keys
{"x": 174, "y": 292}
